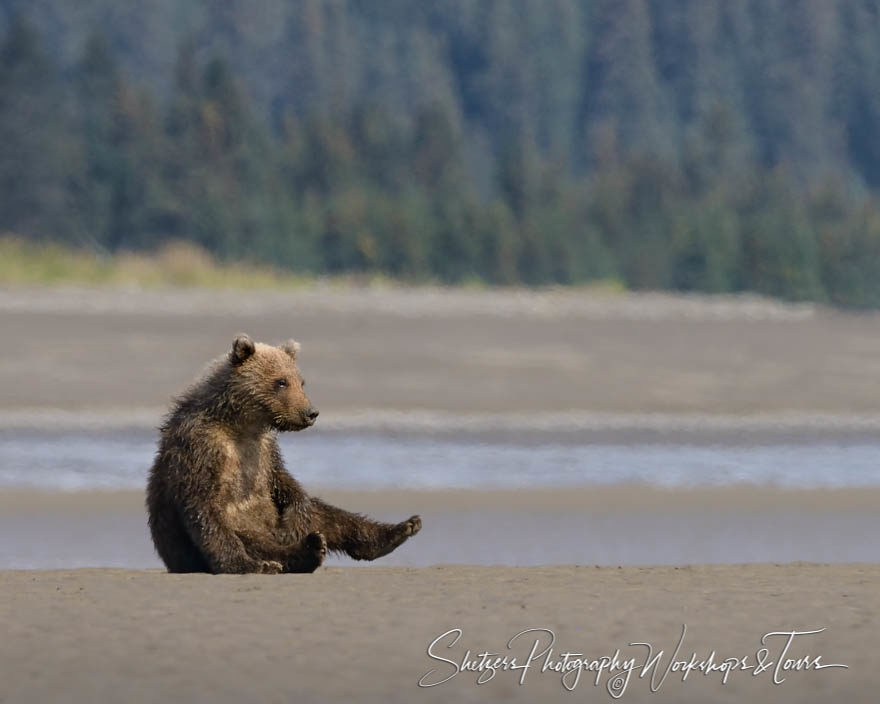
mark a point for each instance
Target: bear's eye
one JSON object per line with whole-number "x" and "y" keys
{"x": 281, "y": 383}
{"x": 302, "y": 383}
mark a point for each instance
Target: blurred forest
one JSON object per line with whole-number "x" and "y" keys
{"x": 695, "y": 145}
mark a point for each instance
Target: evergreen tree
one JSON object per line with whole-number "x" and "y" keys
{"x": 36, "y": 160}
{"x": 698, "y": 145}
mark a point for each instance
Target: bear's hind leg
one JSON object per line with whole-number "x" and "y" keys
{"x": 304, "y": 555}
{"x": 359, "y": 536}
{"x": 173, "y": 543}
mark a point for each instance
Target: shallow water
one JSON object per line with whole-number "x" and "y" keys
{"x": 121, "y": 461}
{"x": 80, "y": 533}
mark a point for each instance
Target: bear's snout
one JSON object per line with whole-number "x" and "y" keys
{"x": 311, "y": 415}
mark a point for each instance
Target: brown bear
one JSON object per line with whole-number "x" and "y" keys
{"x": 219, "y": 498}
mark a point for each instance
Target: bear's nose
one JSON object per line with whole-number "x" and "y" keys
{"x": 312, "y": 413}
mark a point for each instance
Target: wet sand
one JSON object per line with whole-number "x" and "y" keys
{"x": 610, "y": 525}
{"x": 345, "y": 634}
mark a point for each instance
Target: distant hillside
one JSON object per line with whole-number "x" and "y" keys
{"x": 688, "y": 144}
{"x": 800, "y": 79}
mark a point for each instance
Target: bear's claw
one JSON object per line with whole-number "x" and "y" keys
{"x": 270, "y": 567}
{"x": 412, "y": 525}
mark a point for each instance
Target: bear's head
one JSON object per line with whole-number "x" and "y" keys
{"x": 268, "y": 386}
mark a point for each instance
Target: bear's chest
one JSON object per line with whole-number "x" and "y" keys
{"x": 246, "y": 483}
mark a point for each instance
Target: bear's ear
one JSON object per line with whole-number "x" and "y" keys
{"x": 292, "y": 348}
{"x": 242, "y": 348}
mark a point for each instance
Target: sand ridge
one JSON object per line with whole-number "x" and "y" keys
{"x": 429, "y": 358}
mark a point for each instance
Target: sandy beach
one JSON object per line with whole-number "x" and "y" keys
{"x": 89, "y": 615}
{"x": 429, "y": 359}
{"x": 363, "y": 634}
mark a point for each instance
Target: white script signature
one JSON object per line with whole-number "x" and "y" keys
{"x": 535, "y": 650}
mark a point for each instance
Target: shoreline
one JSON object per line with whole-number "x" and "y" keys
{"x": 607, "y": 498}
{"x": 507, "y": 427}
{"x": 327, "y": 296}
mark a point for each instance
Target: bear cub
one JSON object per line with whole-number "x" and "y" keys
{"x": 219, "y": 498}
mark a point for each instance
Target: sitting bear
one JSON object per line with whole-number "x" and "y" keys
{"x": 219, "y": 498}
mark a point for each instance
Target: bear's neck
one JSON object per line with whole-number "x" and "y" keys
{"x": 240, "y": 423}
{"x": 249, "y": 428}
{"x": 225, "y": 408}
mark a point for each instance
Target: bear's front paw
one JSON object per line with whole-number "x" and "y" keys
{"x": 411, "y": 526}
{"x": 317, "y": 544}
{"x": 269, "y": 567}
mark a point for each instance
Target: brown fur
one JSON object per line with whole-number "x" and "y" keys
{"x": 219, "y": 498}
